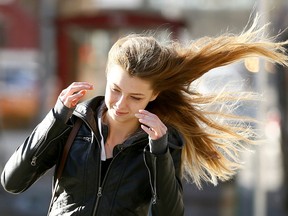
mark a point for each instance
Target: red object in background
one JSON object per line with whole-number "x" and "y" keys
{"x": 19, "y": 29}
{"x": 19, "y": 42}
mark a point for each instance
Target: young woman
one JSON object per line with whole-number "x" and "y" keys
{"x": 151, "y": 130}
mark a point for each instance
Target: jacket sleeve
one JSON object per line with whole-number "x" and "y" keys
{"x": 165, "y": 179}
{"x": 38, "y": 153}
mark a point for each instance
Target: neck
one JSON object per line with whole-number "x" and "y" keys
{"x": 118, "y": 131}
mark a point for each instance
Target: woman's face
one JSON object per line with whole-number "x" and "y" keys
{"x": 126, "y": 95}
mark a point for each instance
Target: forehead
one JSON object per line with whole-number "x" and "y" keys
{"x": 119, "y": 77}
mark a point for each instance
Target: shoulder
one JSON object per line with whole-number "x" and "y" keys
{"x": 90, "y": 105}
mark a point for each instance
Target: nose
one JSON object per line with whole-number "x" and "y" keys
{"x": 120, "y": 102}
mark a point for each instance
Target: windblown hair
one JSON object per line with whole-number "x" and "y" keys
{"x": 212, "y": 147}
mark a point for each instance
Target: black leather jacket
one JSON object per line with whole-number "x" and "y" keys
{"x": 136, "y": 180}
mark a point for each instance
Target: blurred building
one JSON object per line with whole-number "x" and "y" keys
{"x": 19, "y": 42}
{"x": 47, "y": 44}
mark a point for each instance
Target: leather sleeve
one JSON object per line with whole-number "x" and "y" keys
{"x": 165, "y": 179}
{"x": 38, "y": 153}
{"x": 158, "y": 146}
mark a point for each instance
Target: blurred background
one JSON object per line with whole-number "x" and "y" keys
{"x": 46, "y": 44}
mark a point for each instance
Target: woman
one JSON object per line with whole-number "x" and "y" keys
{"x": 151, "y": 130}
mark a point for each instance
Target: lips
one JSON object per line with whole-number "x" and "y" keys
{"x": 120, "y": 113}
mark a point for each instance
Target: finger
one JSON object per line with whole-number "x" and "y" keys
{"x": 72, "y": 100}
{"x": 148, "y": 119}
{"x": 153, "y": 134}
{"x": 73, "y": 89}
{"x": 145, "y": 112}
{"x": 74, "y": 92}
{"x": 153, "y": 130}
{"x": 81, "y": 84}
{"x": 146, "y": 116}
{"x": 78, "y": 86}
{"x": 148, "y": 130}
{"x": 149, "y": 123}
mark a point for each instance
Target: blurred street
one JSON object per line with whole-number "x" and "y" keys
{"x": 47, "y": 44}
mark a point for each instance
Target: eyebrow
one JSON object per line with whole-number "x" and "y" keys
{"x": 136, "y": 94}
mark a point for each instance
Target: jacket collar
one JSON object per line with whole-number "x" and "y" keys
{"x": 88, "y": 111}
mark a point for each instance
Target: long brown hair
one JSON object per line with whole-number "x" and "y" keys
{"x": 212, "y": 147}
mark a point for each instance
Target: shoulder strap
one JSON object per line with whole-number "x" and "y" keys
{"x": 67, "y": 147}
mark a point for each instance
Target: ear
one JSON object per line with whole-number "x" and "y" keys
{"x": 154, "y": 96}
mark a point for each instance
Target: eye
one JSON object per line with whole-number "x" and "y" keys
{"x": 115, "y": 90}
{"x": 136, "y": 98}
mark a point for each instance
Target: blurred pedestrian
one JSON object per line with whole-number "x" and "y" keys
{"x": 149, "y": 131}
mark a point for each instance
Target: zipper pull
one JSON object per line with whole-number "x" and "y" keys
{"x": 33, "y": 162}
{"x": 87, "y": 139}
{"x": 99, "y": 194}
{"x": 154, "y": 199}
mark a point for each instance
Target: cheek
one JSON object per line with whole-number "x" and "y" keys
{"x": 110, "y": 98}
{"x": 137, "y": 106}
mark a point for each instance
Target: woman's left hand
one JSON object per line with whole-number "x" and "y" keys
{"x": 151, "y": 124}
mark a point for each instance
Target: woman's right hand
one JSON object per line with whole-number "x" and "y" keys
{"x": 74, "y": 92}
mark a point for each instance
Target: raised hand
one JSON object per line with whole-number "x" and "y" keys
{"x": 74, "y": 92}
{"x": 151, "y": 124}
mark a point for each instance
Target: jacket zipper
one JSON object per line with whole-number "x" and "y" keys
{"x": 101, "y": 184}
{"x": 154, "y": 198}
{"x": 99, "y": 192}
{"x": 152, "y": 184}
